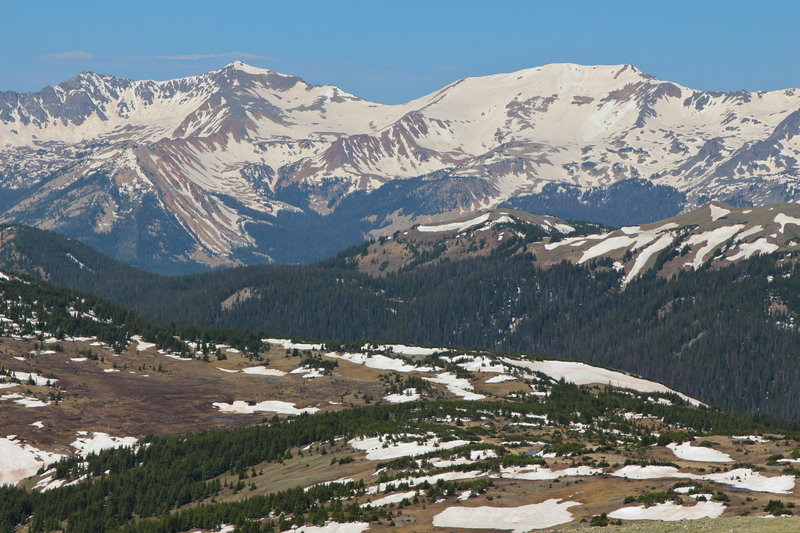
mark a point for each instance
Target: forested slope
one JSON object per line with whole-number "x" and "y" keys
{"x": 725, "y": 335}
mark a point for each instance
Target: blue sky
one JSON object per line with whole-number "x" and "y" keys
{"x": 393, "y": 51}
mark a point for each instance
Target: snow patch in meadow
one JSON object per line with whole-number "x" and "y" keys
{"x": 290, "y": 345}
{"x": 141, "y": 345}
{"x": 96, "y": 441}
{"x": 755, "y": 438}
{"x": 537, "y": 473}
{"x": 479, "y": 364}
{"x": 308, "y": 373}
{"x": 583, "y": 374}
{"x": 402, "y": 349}
{"x": 516, "y": 519}
{"x": 341, "y": 480}
{"x": 474, "y": 455}
{"x": 18, "y": 460}
{"x": 740, "y": 478}
{"x": 272, "y": 406}
{"x": 262, "y": 371}
{"x": 177, "y": 357}
{"x": 30, "y": 376}
{"x": 784, "y": 219}
{"x": 634, "y": 237}
{"x": 645, "y": 255}
{"x": 391, "y": 498}
{"x": 699, "y": 453}
{"x": 749, "y": 231}
{"x": 432, "y": 480}
{"x": 575, "y": 241}
{"x": 500, "y": 379}
{"x": 456, "y": 385}
{"x": 332, "y": 527}
{"x": 48, "y": 483}
{"x": 759, "y": 246}
{"x": 652, "y": 472}
{"x": 378, "y": 362}
{"x": 712, "y": 239}
{"x": 718, "y": 212}
{"x": 670, "y": 512}
{"x": 454, "y": 226}
{"x": 24, "y": 401}
{"x": 744, "y": 478}
{"x": 378, "y": 449}
{"x": 408, "y": 395}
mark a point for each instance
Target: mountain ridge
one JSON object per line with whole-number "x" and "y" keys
{"x": 207, "y": 170}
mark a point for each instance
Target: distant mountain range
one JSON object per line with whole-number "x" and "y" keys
{"x": 245, "y": 165}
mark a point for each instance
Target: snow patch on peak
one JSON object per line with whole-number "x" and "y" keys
{"x": 250, "y": 69}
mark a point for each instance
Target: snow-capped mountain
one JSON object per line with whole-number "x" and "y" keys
{"x": 246, "y": 164}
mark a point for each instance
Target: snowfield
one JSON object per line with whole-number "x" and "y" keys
{"x": 402, "y": 349}
{"x": 718, "y": 212}
{"x": 458, "y": 386}
{"x": 24, "y": 401}
{"x": 500, "y": 379}
{"x": 95, "y": 442}
{"x": 378, "y": 449}
{"x": 412, "y": 481}
{"x": 408, "y": 395}
{"x": 289, "y": 345}
{"x": 29, "y": 376}
{"x": 455, "y": 226}
{"x": 270, "y": 406}
{"x": 472, "y": 363}
{"x": 141, "y": 345}
{"x": 583, "y": 374}
{"x": 698, "y": 453}
{"x": 670, "y": 512}
{"x": 391, "y": 498}
{"x": 378, "y": 362}
{"x": 740, "y": 478}
{"x": 332, "y": 527}
{"x": 262, "y": 371}
{"x": 537, "y": 473}
{"x": 516, "y": 519}
{"x": 18, "y": 460}
{"x": 748, "y": 249}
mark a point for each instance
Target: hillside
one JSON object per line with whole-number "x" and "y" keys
{"x": 362, "y": 436}
{"x": 244, "y": 165}
{"x": 722, "y": 332}
{"x": 713, "y": 236}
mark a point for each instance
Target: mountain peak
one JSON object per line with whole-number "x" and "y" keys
{"x": 244, "y": 67}
{"x": 613, "y": 70}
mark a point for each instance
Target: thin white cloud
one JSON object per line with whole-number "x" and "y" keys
{"x": 72, "y": 54}
{"x": 196, "y": 57}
